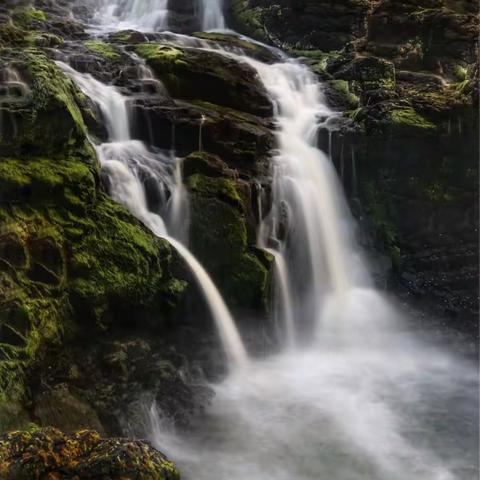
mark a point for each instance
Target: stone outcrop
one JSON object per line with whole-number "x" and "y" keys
{"x": 48, "y": 453}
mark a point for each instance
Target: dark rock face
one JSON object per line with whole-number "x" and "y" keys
{"x": 405, "y": 73}
{"x": 301, "y": 24}
{"x": 48, "y": 453}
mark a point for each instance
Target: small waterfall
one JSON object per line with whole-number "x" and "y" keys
{"x": 143, "y": 15}
{"x": 322, "y": 261}
{"x": 212, "y": 15}
{"x": 126, "y": 164}
{"x": 11, "y": 83}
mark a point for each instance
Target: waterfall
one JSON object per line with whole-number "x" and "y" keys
{"x": 212, "y": 15}
{"x": 143, "y": 15}
{"x": 322, "y": 264}
{"x": 360, "y": 398}
{"x": 11, "y": 84}
{"x": 125, "y": 162}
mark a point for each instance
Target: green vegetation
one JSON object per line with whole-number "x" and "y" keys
{"x": 106, "y": 50}
{"x": 408, "y": 117}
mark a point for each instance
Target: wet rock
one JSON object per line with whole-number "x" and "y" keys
{"x": 242, "y": 140}
{"x": 221, "y": 234}
{"x": 43, "y": 115}
{"x": 195, "y": 74}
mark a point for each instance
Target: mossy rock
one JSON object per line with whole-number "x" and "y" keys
{"x": 205, "y": 164}
{"x": 43, "y": 117}
{"x": 195, "y": 74}
{"x": 48, "y": 453}
{"x": 219, "y": 237}
{"x": 407, "y": 121}
{"x": 248, "y": 19}
{"x": 130, "y": 37}
{"x": 27, "y": 15}
{"x": 106, "y": 50}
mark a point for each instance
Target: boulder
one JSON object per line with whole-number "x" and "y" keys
{"x": 48, "y": 453}
{"x": 190, "y": 73}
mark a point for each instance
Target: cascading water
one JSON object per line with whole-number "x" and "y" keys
{"x": 143, "y": 15}
{"x": 212, "y": 15}
{"x": 362, "y": 398}
{"x": 126, "y": 162}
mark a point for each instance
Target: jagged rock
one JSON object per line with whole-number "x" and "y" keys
{"x": 49, "y": 453}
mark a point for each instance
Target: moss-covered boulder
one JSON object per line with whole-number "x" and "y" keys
{"x": 48, "y": 453}
{"x": 220, "y": 234}
{"x": 39, "y": 105}
{"x": 204, "y": 75}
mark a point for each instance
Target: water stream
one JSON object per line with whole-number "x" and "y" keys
{"x": 355, "y": 395}
{"x": 141, "y": 15}
{"x": 126, "y": 163}
{"x": 212, "y": 15}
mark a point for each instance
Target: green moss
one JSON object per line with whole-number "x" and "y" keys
{"x": 42, "y": 180}
{"x": 355, "y": 114}
{"x": 342, "y": 88}
{"x": 12, "y": 35}
{"x": 44, "y": 40}
{"x": 160, "y": 54}
{"x": 28, "y": 15}
{"x": 460, "y": 72}
{"x": 220, "y": 240}
{"x": 248, "y": 19}
{"x": 248, "y": 285}
{"x": 221, "y": 188}
{"x": 104, "y": 49}
{"x": 47, "y": 119}
{"x": 71, "y": 260}
{"x": 408, "y": 117}
{"x": 49, "y": 81}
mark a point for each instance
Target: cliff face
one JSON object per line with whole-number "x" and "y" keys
{"x": 406, "y": 75}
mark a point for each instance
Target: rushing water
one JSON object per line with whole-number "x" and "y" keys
{"x": 354, "y": 395}
{"x": 126, "y": 163}
{"x": 212, "y": 15}
{"x": 142, "y": 15}
{"x": 357, "y": 397}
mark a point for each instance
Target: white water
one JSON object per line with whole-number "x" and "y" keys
{"x": 359, "y": 398}
{"x": 142, "y": 15}
{"x": 12, "y": 84}
{"x": 212, "y": 15}
{"x": 126, "y": 162}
